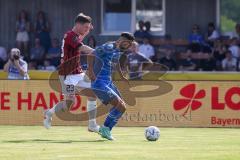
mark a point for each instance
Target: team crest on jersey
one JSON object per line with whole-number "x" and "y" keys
{"x": 75, "y": 39}
{"x": 109, "y": 47}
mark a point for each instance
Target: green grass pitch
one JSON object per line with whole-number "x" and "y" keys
{"x": 76, "y": 143}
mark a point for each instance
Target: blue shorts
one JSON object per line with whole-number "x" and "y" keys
{"x": 106, "y": 91}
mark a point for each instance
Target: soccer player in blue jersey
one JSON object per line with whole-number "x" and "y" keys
{"x": 100, "y": 72}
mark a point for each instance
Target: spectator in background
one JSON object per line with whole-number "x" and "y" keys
{"x": 54, "y": 53}
{"x": 236, "y": 33}
{"x": 136, "y": 62}
{"x": 168, "y": 61}
{"x": 186, "y": 63}
{"x": 148, "y": 31}
{"x": 146, "y": 48}
{"x": 229, "y": 63}
{"x": 47, "y": 66}
{"x": 3, "y": 56}
{"x": 32, "y": 65}
{"x": 22, "y": 29}
{"x": 234, "y": 48}
{"x": 195, "y": 39}
{"x": 208, "y": 63}
{"x": 238, "y": 65}
{"x": 42, "y": 29}
{"x": 219, "y": 54}
{"x": 91, "y": 41}
{"x": 212, "y": 34}
{"x": 37, "y": 52}
{"x": 16, "y": 66}
{"x": 140, "y": 33}
{"x": 164, "y": 47}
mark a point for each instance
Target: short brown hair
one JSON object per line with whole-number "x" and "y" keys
{"x": 128, "y": 36}
{"x": 82, "y": 18}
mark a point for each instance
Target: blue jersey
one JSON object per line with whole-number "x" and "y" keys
{"x": 106, "y": 56}
{"x": 103, "y": 87}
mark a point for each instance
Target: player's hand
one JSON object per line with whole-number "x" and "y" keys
{"x": 86, "y": 78}
{"x": 91, "y": 75}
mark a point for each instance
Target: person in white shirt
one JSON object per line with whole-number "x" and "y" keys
{"x": 16, "y": 67}
{"x": 137, "y": 63}
{"x": 229, "y": 63}
{"x": 234, "y": 34}
{"x": 146, "y": 49}
{"x": 212, "y": 32}
{"x": 234, "y": 48}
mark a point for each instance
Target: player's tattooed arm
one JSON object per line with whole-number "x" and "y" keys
{"x": 118, "y": 67}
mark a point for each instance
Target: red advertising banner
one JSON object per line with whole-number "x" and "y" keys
{"x": 160, "y": 103}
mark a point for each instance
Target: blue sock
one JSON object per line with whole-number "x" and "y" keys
{"x": 112, "y": 118}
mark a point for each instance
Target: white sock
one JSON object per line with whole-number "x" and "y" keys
{"x": 52, "y": 110}
{"x": 92, "y": 112}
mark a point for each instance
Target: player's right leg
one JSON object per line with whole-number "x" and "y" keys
{"x": 83, "y": 88}
{"x": 91, "y": 108}
{"x": 72, "y": 85}
{"x": 69, "y": 99}
{"x": 109, "y": 94}
{"x": 111, "y": 120}
{"x": 61, "y": 106}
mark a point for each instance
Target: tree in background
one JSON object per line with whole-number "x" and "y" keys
{"x": 230, "y": 14}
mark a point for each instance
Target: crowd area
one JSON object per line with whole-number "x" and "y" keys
{"x": 208, "y": 51}
{"x": 41, "y": 51}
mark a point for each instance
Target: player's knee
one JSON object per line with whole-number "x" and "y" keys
{"x": 69, "y": 101}
{"x": 69, "y": 104}
{"x": 122, "y": 106}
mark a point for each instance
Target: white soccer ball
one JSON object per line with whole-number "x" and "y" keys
{"x": 152, "y": 133}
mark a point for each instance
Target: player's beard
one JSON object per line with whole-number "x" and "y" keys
{"x": 123, "y": 49}
{"x": 124, "y": 46}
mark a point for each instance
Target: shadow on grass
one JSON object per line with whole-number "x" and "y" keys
{"x": 53, "y": 141}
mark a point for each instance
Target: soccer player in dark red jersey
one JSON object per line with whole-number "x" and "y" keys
{"x": 73, "y": 79}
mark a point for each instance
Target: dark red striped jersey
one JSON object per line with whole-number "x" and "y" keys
{"x": 70, "y": 57}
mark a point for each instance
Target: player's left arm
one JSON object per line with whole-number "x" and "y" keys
{"x": 119, "y": 69}
{"x": 90, "y": 59}
{"x": 86, "y": 49}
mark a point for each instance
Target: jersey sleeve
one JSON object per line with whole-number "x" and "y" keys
{"x": 116, "y": 57}
{"x": 72, "y": 40}
{"x": 98, "y": 51}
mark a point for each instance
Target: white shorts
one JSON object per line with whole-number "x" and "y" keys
{"x": 73, "y": 83}
{"x": 22, "y": 36}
